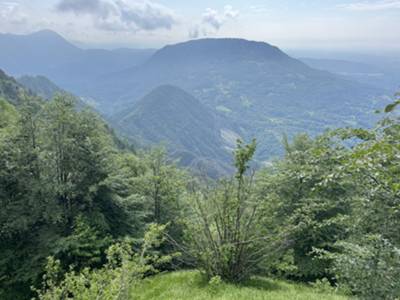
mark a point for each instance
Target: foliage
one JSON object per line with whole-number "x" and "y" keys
{"x": 307, "y": 204}
{"x": 328, "y": 212}
{"x": 223, "y": 233}
{"x": 370, "y": 267}
{"x": 369, "y": 261}
{"x": 67, "y": 191}
{"x": 115, "y": 281}
{"x": 391, "y": 107}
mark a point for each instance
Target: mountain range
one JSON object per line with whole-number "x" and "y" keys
{"x": 199, "y": 96}
{"x": 47, "y": 53}
{"x": 381, "y": 75}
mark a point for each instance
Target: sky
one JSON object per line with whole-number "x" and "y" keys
{"x": 359, "y": 25}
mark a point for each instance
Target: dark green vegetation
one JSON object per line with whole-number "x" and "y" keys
{"x": 83, "y": 216}
{"x": 249, "y": 89}
{"x": 67, "y": 190}
{"x": 10, "y": 89}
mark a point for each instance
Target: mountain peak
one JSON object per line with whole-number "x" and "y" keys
{"x": 49, "y": 36}
{"x": 217, "y": 49}
{"x": 46, "y": 33}
{"x": 170, "y": 114}
{"x": 169, "y": 97}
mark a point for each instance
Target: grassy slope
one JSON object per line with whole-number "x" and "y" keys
{"x": 191, "y": 285}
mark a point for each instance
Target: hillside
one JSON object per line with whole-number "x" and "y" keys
{"x": 40, "y": 85}
{"x": 10, "y": 89}
{"x": 190, "y": 130}
{"x": 252, "y": 84}
{"x": 190, "y": 285}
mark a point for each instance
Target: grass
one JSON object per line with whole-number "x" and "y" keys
{"x": 191, "y": 285}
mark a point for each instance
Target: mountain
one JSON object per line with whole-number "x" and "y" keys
{"x": 47, "y": 53}
{"x": 252, "y": 84}
{"x": 40, "y": 86}
{"x": 190, "y": 130}
{"x": 383, "y": 75}
{"x": 257, "y": 87}
{"x": 10, "y": 89}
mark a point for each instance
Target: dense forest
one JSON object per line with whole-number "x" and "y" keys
{"x": 85, "y": 215}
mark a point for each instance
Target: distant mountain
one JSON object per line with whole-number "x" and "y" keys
{"x": 190, "y": 130}
{"x": 383, "y": 75}
{"x": 253, "y": 84}
{"x": 40, "y": 86}
{"x": 47, "y": 53}
{"x": 341, "y": 66}
{"x": 217, "y": 50}
{"x": 253, "y": 89}
{"x": 46, "y": 89}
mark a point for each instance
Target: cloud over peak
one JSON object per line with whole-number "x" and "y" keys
{"x": 213, "y": 20}
{"x": 122, "y": 15}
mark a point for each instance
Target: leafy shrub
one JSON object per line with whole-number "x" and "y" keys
{"x": 370, "y": 268}
{"x": 224, "y": 236}
{"x": 115, "y": 281}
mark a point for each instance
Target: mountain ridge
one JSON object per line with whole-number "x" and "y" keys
{"x": 257, "y": 87}
{"x": 49, "y": 54}
{"x": 267, "y": 97}
{"x": 171, "y": 116}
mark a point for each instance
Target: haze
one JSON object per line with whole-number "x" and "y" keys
{"x": 334, "y": 25}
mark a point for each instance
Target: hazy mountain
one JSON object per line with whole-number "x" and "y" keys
{"x": 40, "y": 86}
{"x": 190, "y": 130}
{"x": 253, "y": 84}
{"x": 47, "y": 53}
{"x": 374, "y": 74}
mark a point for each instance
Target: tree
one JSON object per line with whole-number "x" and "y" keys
{"x": 54, "y": 195}
{"x": 369, "y": 259}
{"x": 307, "y": 198}
{"x": 224, "y": 236}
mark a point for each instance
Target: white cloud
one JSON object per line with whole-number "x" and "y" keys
{"x": 212, "y": 21}
{"x": 372, "y": 6}
{"x": 12, "y": 13}
{"x": 213, "y": 18}
{"x": 122, "y": 15}
{"x": 230, "y": 13}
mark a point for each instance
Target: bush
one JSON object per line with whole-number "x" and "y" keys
{"x": 370, "y": 268}
{"x": 114, "y": 281}
{"x": 224, "y": 233}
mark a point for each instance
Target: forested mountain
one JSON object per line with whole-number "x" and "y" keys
{"x": 10, "y": 89}
{"x": 84, "y": 217}
{"x": 47, "y": 53}
{"x": 40, "y": 86}
{"x": 253, "y": 84}
{"x": 191, "y": 131}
